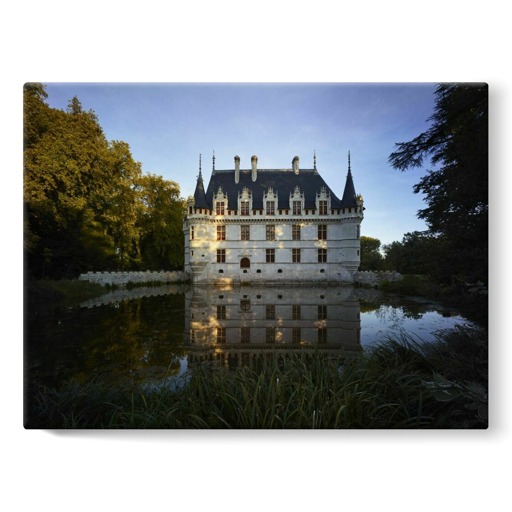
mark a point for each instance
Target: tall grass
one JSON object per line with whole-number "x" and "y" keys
{"x": 397, "y": 384}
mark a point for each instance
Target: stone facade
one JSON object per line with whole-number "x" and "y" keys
{"x": 272, "y": 226}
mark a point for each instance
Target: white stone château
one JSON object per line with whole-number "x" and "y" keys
{"x": 272, "y": 226}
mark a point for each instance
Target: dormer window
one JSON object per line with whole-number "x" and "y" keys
{"x": 219, "y": 208}
{"x": 323, "y": 202}
{"x": 296, "y": 202}
{"x": 245, "y": 202}
{"x": 220, "y": 201}
{"x": 270, "y": 202}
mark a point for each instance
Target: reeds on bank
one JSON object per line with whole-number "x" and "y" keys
{"x": 398, "y": 384}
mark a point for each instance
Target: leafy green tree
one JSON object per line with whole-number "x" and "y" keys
{"x": 371, "y": 258}
{"x": 415, "y": 254}
{"x": 64, "y": 166}
{"x": 160, "y": 220}
{"x": 456, "y": 189}
{"x": 87, "y": 204}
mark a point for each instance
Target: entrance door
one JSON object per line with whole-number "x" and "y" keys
{"x": 245, "y": 263}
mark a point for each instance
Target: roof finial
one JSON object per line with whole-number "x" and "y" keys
{"x": 213, "y": 161}
{"x": 314, "y": 159}
{"x": 200, "y": 175}
{"x": 349, "y": 160}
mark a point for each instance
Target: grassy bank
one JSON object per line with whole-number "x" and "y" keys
{"x": 397, "y": 384}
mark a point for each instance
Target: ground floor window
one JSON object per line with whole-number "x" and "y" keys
{"x": 221, "y": 255}
{"x": 296, "y": 255}
{"x": 322, "y": 255}
{"x": 270, "y": 255}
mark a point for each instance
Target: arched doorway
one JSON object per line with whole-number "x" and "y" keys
{"x": 245, "y": 263}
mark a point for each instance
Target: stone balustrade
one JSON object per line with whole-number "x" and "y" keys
{"x": 123, "y": 278}
{"x": 375, "y": 278}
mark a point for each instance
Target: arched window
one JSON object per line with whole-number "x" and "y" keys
{"x": 245, "y": 263}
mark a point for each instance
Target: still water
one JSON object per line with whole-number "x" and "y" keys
{"x": 148, "y": 336}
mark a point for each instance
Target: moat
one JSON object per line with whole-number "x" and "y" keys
{"x": 148, "y": 336}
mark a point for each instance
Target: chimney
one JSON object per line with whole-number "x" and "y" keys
{"x": 295, "y": 164}
{"x": 254, "y": 166}
{"x": 237, "y": 169}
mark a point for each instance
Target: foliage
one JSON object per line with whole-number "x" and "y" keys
{"x": 413, "y": 255}
{"x": 456, "y": 189}
{"x": 161, "y": 241}
{"x": 397, "y": 384}
{"x": 86, "y": 199}
{"x": 371, "y": 258}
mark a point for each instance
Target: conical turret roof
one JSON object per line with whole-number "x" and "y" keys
{"x": 349, "y": 194}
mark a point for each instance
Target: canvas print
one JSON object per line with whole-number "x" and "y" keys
{"x": 255, "y": 256}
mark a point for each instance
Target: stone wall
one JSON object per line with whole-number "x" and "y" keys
{"x": 373, "y": 278}
{"x": 123, "y": 278}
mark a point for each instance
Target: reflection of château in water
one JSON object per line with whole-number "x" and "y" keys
{"x": 240, "y": 326}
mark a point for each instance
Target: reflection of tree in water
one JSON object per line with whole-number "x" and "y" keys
{"x": 130, "y": 341}
{"x": 392, "y": 309}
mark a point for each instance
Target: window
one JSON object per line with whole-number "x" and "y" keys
{"x": 221, "y": 255}
{"x": 221, "y": 232}
{"x": 219, "y": 209}
{"x": 270, "y": 255}
{"x": 245, "y": 334}
{"x": 271, "y": 335}
{"x": 322, "y": 312}
{"x": 244, "y": 207}
{"x": 245, "y": 305}
{"x": 270, "y": 312}
{"x": 221, "y": 312}
{"x": 322, "y": 255}
{"x": 191, "y": 232}
{"x": 322, "y": 232}
{"x": 271, "y": 232}
{"x": 322, "y": 335}
{"x": 221, "y": 335}
{"x": 296, "y": 206}
{"x": 322, "y": 207}
{"x": 296, "y": 311}
{"x": 358, "y": 231}
{"x": 296, "y": 255}
{"x": 296, "y": 232}
{"x": 245, "y": 232}
{"x": 270, "y": 208}
{"x": 296, "y": 334}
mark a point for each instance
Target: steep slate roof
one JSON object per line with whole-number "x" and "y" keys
{"x": 282, "y": 181}
{"x": 199, "y": 194}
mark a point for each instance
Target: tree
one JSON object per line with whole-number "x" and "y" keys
{"x": 161, "y": 218}
{"x": 456, "y": 190}
{"x": 415, "y": 254}
{"x": 371, "y": 258}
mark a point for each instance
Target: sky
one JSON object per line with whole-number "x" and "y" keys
{"x": 168, "y": 125}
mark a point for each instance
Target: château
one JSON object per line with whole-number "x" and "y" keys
{"x": 272, "y": 226}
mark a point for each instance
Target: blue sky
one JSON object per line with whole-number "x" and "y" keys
{"x": 168, "y": 125}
